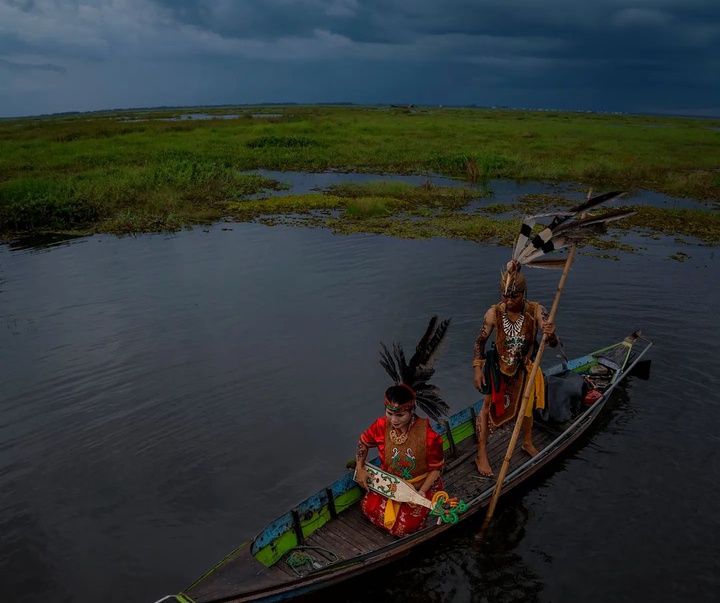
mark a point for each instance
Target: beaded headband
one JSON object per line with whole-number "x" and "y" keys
{"x": 395, "y": 406}
{"x": 512, "y": 280}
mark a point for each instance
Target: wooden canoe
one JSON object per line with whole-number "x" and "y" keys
{"x": 326, "y": 538}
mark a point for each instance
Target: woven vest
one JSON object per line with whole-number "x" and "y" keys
{"x": 513, "y": 350}
{"x": 408, "y": 459}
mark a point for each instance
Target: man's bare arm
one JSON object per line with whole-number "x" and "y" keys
{"x": 547, "y": 327}
{"x": 482, "y": 338}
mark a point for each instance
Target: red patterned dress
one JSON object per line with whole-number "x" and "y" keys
{"x": 412, "y": 460}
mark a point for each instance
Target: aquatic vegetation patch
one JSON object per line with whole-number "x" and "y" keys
{"x": 287, "y": 204}
{"x": 608, "y": 243}
{"x": 496, "y": 208}
{"x": 705, "y": 184}
{"x": 246, "y": 185}
{"x": 98, "y": 168}
{"x": 697, "y": 224}
{"x": 602, "y": 256}
{"x": 31, "y": 204}
{"x": 469, "y": 227}
{"x": 475, "y": 165}
{"x": 99, "y": 197}
{"x": 679, "y": 256}
{"x": 132, "y": 222}
{"x": 380, "y": 188}
{"x": 409, "y": 197}
{"x": 365, "y": 207}
{"x": 32, "y": 188}
{"x": 48, "y": 214}
{"x": 283, "y": 142}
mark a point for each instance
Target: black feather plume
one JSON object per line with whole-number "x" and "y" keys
{"x": 419, "y": 370}
{"x": 566, "y": 228}
{"x": 388, "y": 363}
{"x": 584, "y": 206}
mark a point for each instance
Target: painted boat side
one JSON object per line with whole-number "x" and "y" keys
{"x": 280, "y": 535}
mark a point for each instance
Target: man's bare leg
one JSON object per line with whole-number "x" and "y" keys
{"x": 481, "y": 426}
{"x": 527, "y": 444}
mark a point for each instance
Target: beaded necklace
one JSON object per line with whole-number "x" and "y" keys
{"x": 512, "y": 329}
{"x": 401, "y": 438}
{"x": 398, "y": 439}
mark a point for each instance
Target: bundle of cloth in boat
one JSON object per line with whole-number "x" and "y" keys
{"x": 565, "y": 393}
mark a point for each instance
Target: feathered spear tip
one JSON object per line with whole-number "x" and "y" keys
{"x": 417, "y": 372}
{"x": 566, "y": 228}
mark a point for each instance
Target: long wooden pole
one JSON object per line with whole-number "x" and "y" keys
{"x": 529, "y": 385}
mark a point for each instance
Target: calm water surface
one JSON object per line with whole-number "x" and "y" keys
{"x": 164, "y": 397}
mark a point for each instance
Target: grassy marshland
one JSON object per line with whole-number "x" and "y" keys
{"x": 134, "y": 171}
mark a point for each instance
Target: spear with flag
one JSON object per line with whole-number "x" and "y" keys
{"x": 566, "y": 229}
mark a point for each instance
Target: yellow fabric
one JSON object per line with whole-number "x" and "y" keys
{"x": 392, "y": 507}
{"x": 537, "y": 394}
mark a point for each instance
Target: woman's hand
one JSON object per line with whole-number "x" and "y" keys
{"x": 362, "y": 477}
{"x": 428, "y": 483}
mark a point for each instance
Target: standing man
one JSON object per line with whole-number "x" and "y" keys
{"x": 501, "y": 373}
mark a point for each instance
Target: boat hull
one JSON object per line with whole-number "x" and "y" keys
{"x": 329, "y": 529}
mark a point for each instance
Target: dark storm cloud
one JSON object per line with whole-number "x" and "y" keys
{"x": 612, "y": 54}
{"x": 272, "y": 19}
{"x": 391, "y": 20}
{"x": 23, "y": 5}
{"x": 28, "y": 67}
{"x": 641, "y": 41}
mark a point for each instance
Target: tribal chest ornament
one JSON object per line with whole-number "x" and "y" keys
{"x": 514, "y": 342}
{"x": 514, "y": 339}
{"x": 403, "y": 464}
{"x": 410, "y": 459}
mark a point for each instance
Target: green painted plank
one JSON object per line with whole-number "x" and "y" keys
{"x": 273, "y": 552}
{"x": 348, "y": 499}
{"x": 463, "y": 432}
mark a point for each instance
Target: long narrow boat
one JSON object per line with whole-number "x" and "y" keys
{"x": 326, "y": 539}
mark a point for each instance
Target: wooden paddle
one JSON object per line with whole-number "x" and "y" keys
{"x": 393, "y": 487}
{"x": 529, "y": 385}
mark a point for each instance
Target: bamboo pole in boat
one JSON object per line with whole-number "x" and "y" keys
{"x": 529, "y": 384}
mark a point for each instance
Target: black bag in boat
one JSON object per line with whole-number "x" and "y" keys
{"x": 564, "y": 394}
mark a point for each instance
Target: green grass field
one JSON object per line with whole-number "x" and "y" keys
{"x": 141, "y": 172}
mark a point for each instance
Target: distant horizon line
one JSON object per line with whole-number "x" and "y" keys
{"x": 713, "y": 113}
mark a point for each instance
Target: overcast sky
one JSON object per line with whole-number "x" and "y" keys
{"x": 607, "y": 55}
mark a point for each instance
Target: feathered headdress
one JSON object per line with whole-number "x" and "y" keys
{"x": 566, "y": 228}
{"x": 413, "y": 376}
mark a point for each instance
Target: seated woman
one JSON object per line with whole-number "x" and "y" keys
{"x": 407, "y": 446}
